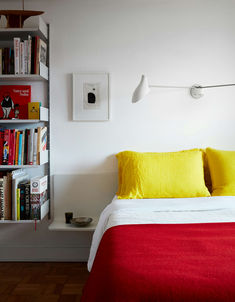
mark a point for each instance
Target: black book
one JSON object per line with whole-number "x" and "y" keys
{"x": 27, "y": 201}
{"x": 21, "y": 186}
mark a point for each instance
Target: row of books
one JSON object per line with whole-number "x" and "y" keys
{"x": 24, "y": 57}
{"x": 21, "y": 198}
{"x": 22, "y": 147}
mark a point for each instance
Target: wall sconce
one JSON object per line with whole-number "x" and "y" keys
{"x": 144, "y": 88}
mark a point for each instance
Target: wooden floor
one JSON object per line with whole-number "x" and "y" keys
{"x": 33, "y": 282}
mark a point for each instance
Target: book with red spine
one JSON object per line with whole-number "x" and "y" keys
{"x": 6, "y": 144}
{"x": 11, "y": 147}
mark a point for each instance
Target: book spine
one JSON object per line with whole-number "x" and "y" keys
{"x": 29, "y": 53}
{"x": 38, "y": 145}
{"x": 35, "y": 141}
{"x": 1, "y": 200}
{"x": 26, "y": 147}
{"x": 0, "y": 60}
{"x": 37, "y": 45}
{"x": 11, "y": 147}
{"x": 20, "y": 149}
{"x": 5, "y": 198}
{"x": 26, "y": 56}
{"x": 1, "y": 145}
{"x": 27, "y": 201}
{"x": 17, "y": 147}
{"x": 22, "y": 62}
{"x": 22, "y": 152}
{"x": 17, "y": 55}
{"x": 9, "y": 196}
{"x": 6, "y": 143}
{"x": 22, "y": 201}
{"x": 31, "y": 137}
{"x": 18, "y": 203}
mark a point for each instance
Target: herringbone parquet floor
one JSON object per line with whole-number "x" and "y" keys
{"x": 47, "y": 282}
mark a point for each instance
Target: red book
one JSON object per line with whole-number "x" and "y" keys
{"x": 6, "y": 144}
{"x": 1, "y": 145}
{"x": 11, "y": 147}
{"x": 14, "y": 101}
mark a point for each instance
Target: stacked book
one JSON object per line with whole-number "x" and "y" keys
{"x": 22, "y": 147}
{"x": 21, "y": 198}
{"x": 24, "y": 57}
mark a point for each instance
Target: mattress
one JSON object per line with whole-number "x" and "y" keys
{"x": 162, "y": 211}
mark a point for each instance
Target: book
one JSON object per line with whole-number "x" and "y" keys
{"x": 18, "y": 176}
{"x": 11, "y": 147}
{"x": 1, "y": 145}
{"x": 42, "y": 52}
{"x": 8, "y": 197}
{"x": 26, "y": 56}
{"x": 22, "y": 59}
{"x": 29, "y": 53}
{"x": 35, "y": 145}
{"x": 6, "y": 143}
{"x": 20, "y": 148}
{"x": 27, "y": 201}
{"x": 14, "y": 102}
{"x": 36, "y": 55}
{"x": 18, "y": 204}
{"x": 17, "y": 55}
{"x": 0, "y": 60}
{"x": 22, "y": 187}
{"x": 34, "y": 110}
{"x": 30, "y": 151}
{"x": 17, "y": 147}
{"x": 38, "y": 195}
{"x": 1, "y": 200}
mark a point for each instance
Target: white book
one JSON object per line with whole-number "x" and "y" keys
{"x": 17, "y": 55}
{"x": 26, "y": 56}
{"x": 22, "y": 62}
{"x": 29, "y": 53}
{"x": 30, "y": 150}
{"x": 35, "y": 147}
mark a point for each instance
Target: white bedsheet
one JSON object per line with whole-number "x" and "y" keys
{"x": 172, "y": 210}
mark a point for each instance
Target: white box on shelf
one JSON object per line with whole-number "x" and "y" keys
{"x": 43, "y": 157}
{"x": 38, "y": 22}
{"x": 43, "y": 70}
{"x": 38, "y": 184}
{"x": 44, "y": 114}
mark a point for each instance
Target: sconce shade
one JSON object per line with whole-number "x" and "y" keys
{"x": 141, "y": 90}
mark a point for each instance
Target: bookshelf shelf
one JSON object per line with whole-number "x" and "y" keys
{"x": 58, "y": 225}
{"x": 9, "y": 33}
{"x": 21, "y": 121}
{"x": 44, "y": 212}
{"x": 22, "y": 77}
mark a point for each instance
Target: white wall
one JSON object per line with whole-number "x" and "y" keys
{"x": 179, "y": 42}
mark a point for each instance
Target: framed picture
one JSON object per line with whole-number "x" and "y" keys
{"x": 91, "y": 96}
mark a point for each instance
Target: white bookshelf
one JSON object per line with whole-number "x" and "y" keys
{"x": 41, "y": 29}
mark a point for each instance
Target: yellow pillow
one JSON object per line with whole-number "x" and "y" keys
{"x": 222, "y": 169}
{"x": 161, "y": 175}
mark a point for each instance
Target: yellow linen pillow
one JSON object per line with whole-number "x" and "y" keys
{"x": 161, "y": 175}
{"x": 222, "y": 169}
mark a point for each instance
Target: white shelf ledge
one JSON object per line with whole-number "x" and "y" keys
{"x": 58, "y": 225}
{"x": 43, "y": 76}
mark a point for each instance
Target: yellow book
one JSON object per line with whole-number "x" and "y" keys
{"x": 18, "y": 203}
{"x": 34, "y": 111}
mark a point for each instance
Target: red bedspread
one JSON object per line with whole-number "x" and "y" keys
{"x": 172, "y": 262}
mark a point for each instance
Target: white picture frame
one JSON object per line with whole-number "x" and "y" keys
{"x": 91, "y": 97}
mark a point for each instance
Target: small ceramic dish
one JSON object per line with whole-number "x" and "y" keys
{"x": 81, "y": 221}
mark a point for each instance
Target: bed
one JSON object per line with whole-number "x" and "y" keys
{"x": 170, "y": 249}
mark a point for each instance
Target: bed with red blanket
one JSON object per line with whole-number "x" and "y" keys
{"x": 173, "y": 250}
